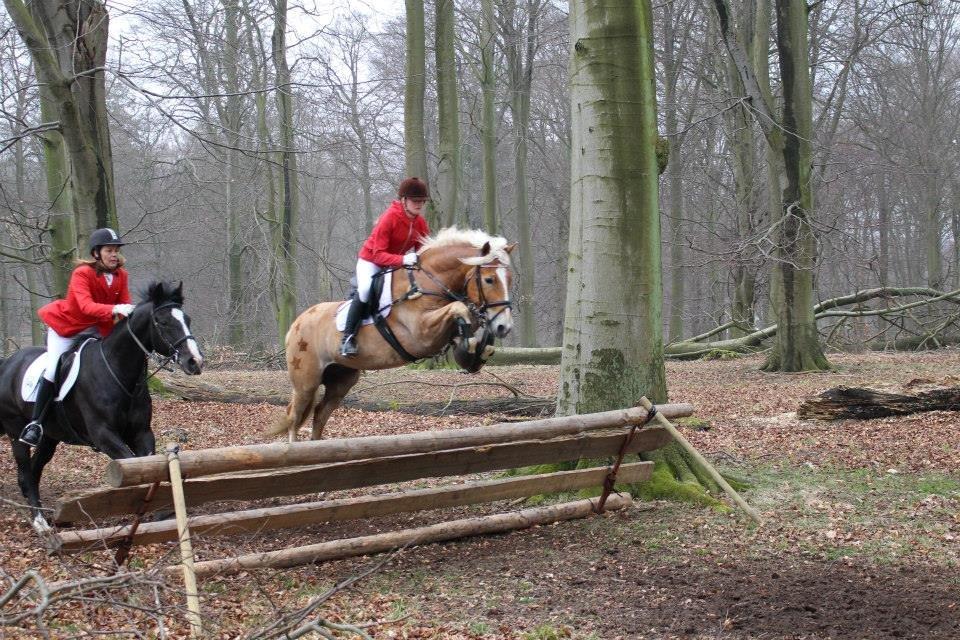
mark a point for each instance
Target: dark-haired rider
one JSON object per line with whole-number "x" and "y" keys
{"x": 96, "y": 297}
{"x": 400, "y": 229}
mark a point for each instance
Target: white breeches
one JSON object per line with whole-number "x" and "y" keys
{"x": 57, "y": 345}
{"x": 365, "y": 272}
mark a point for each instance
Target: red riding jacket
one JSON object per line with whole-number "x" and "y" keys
{"x": 394, "y": 235}
{"x": 89, "y": 302}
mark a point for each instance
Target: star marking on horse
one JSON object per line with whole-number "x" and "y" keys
{"x": 302, "y": 344}
{"x": 296, "y": 363}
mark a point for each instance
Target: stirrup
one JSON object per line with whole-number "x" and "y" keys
{"x": 348, "y": 348}
{"x": 33, "y": 428}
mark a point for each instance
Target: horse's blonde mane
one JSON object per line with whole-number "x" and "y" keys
{"x": 452, "y": 236}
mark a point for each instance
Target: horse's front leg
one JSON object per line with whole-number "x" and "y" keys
{"x": 140, "y": 436}
{"x": 439, "y": 323}
{"x": 106, "y": 439}
{"x": 29, "y": 486}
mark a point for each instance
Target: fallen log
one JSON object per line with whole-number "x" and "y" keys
{"x": 859, "y": 403}
{"x": 517, "y": 406}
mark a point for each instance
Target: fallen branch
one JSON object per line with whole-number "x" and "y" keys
{"x": 864, "y": 404}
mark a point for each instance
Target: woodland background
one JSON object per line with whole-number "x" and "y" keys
{"x": 253, "y": 145}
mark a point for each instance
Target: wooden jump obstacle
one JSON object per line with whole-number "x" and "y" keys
{"x": 191, "y": 478}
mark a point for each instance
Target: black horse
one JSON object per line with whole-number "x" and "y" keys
{"x": 109, "y": 407}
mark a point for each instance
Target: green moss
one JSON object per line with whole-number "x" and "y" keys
{"x": 156, "y": 387}
{"x": 662, "y": 485}
{"x": 697, "y": 424}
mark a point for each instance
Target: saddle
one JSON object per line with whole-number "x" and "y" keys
{"x": 67, "y": 368}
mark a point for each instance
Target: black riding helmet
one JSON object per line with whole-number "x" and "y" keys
{"x": 102, "y": 237}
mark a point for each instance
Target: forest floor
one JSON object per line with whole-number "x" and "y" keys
{"x": 861, "y": 540}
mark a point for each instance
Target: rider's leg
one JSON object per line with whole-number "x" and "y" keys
{"x": 365, "y": 273}
{"x": 56, "y": 346}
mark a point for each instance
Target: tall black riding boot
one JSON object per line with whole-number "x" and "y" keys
{"x": 348, "y": 348}
{"x": 32, "y": 433}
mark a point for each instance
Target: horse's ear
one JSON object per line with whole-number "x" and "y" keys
{"x": 155, "y": 292}
{"x": 510, "y": 247}
{"x": 178, "y": 292}
{"x": 485, "y": 250}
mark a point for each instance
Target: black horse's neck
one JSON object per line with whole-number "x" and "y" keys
{"x": 121, "y": 350}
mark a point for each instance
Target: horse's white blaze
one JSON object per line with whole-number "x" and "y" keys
{"x": 505, "y": 319}
{"x": 191, "y": 343}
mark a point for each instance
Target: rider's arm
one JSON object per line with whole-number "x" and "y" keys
{"x": 81, "y": 291}
{"x": 380, "y": 244}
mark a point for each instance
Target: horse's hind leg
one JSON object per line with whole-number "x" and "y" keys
{"x": 29, "y": 483}
{"x": 337, "y": 382}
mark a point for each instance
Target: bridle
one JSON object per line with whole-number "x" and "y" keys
{"x": 478, "y": 311}
{"x": 174, "y": 347}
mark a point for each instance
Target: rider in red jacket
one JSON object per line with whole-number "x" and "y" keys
{"x": 96, "y": 296}
{"x": 400, "y": 229}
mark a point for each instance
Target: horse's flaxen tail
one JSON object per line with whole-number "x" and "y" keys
{"x": 281, "y": 424}
{"x": 300, "y": 405}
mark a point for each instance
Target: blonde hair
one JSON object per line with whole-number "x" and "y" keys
{"x": 96, "y": 264}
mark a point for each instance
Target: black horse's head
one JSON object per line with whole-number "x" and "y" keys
{"x": 169, "y": 326}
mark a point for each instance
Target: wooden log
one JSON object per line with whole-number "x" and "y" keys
{"x": 351, "y": 547}
{"x": 194, "y": 618}
{"x": 195, "y": 391}
{"x": 205, "y": 462}
{"x": 298, "y": 515}
{"x": 504, "y": 356}
{"x": 859, "y": 403}
{"x": 362, "y": 473}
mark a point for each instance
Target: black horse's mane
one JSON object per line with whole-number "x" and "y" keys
{"x": 160, "y": 293}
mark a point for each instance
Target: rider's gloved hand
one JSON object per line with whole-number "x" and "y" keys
{"x": 410, "y": 259}
{"x": 122, "y": 310}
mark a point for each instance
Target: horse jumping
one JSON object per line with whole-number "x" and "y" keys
{"x": 109, "y": 406}
{"x": 463, "y": 277}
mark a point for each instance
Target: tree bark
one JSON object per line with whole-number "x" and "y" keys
{"x": 285, "y": 247}
{"x": 613, "y": 347}
{"x": 488, "y": 86}
{"x": 414, "y": 137}
{"x": 448, "y": 106}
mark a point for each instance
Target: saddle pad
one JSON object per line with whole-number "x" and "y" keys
{"x": 385, "y": 299}
{"x": 31, "y": 379}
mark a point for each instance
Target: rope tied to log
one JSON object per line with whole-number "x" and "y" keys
{"x": 123, "y": 550}
{"x": 611, "y": 478}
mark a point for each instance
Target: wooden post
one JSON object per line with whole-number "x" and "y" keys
{"x": 186, "y": 548}
{"x": 683, "y": 442}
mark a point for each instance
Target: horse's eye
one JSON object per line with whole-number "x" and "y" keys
{"x": 488, "y": 280}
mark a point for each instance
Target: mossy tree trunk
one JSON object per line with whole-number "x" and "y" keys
{"x": 67, "y": 40}
{"x": 789, "y": 147}
{"x": 448, "y": 166}
{"x": 414, "y": 136}
{"x": 284, "y": 244}
{"x": 521, "y": 42}
{"x": 488, "y": 85}
{"x": 612, "y": 352}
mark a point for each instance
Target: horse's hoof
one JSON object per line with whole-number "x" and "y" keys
{"x": 40, "y": 525}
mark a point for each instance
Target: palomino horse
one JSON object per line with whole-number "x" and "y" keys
{"x": 463, "y": 277}
{"x": 109, "y": 406}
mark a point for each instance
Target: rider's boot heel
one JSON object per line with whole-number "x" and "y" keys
{"x": 348, "y": 348}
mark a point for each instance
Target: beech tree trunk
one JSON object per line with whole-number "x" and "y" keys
{"x": 414, "y": 136}
{"x": 67, "y": 40}
{"x": 613, "y": 346}
{"x": 285, "y": 247}
{"x": 448, "y": 167}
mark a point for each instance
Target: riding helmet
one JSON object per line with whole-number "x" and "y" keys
{"x": 102, "y": 237}
{"x": 414, "y": 188}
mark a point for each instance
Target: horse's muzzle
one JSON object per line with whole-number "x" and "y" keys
{"x": 191, "y": 366}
